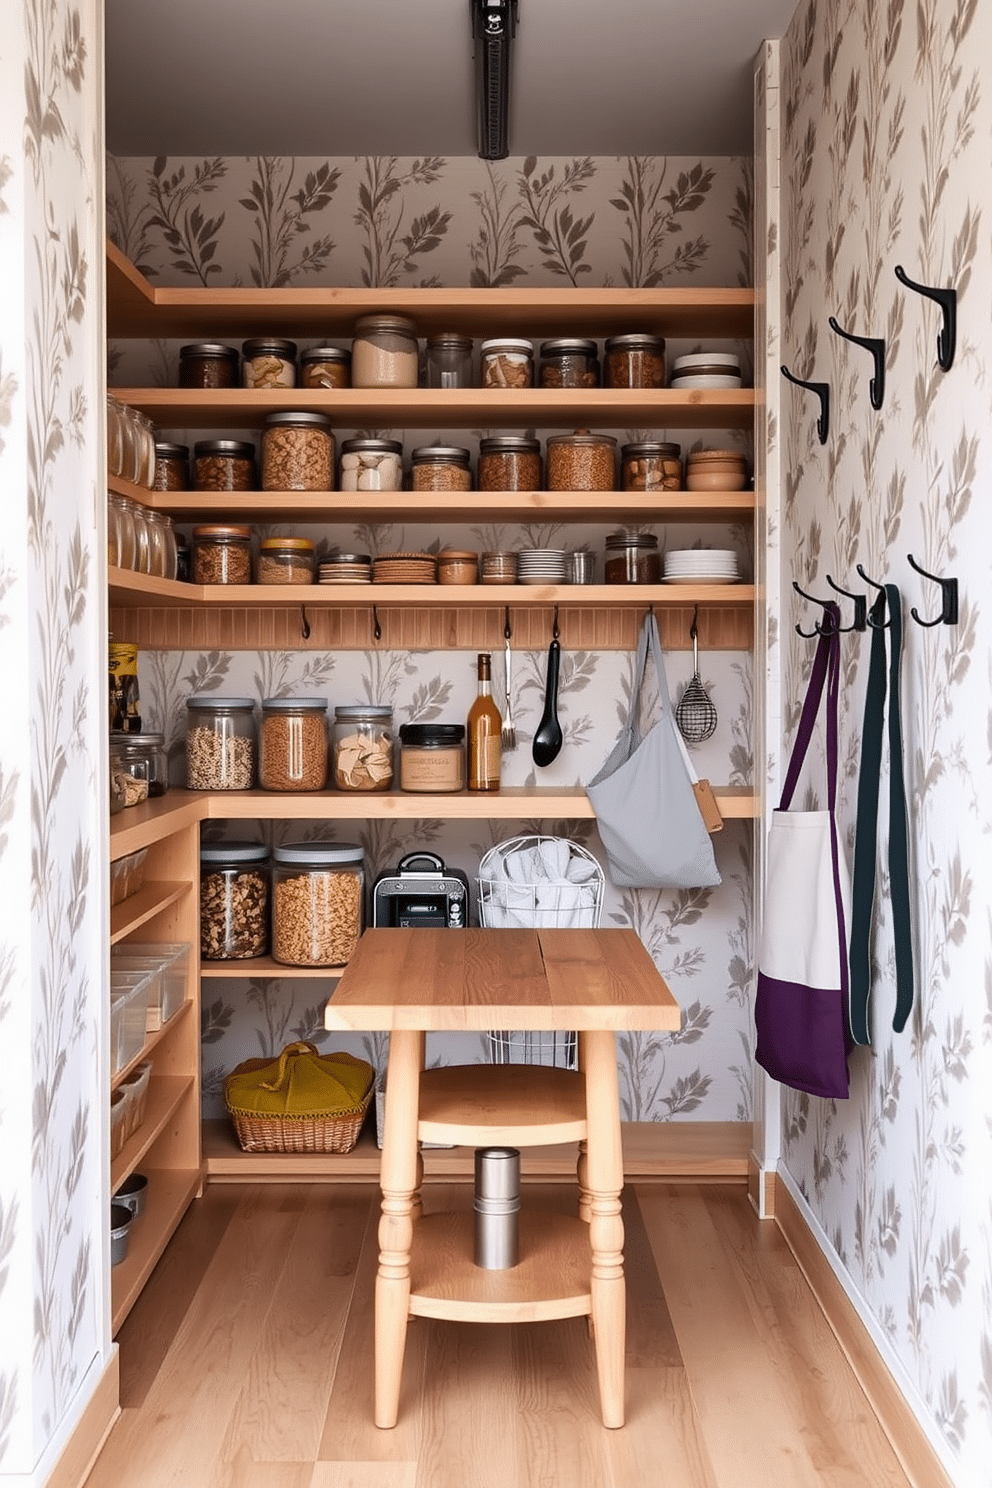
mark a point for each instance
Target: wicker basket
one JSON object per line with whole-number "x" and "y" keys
{"x": 335, "y": 1131}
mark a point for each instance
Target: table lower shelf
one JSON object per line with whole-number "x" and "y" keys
{"x": 523, "y": 1105}
{"x": 551, "y": 1279}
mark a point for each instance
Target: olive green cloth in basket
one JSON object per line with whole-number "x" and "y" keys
{"x": 300, "y": 1083}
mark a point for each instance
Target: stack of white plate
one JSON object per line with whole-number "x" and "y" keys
{"x": 541, "y": 566}
{"x": 701, "y": 566}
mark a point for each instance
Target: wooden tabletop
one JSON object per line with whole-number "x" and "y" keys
{"x": 472, "y": 980}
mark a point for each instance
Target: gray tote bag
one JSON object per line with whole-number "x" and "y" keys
{"x": 648, "y": 817}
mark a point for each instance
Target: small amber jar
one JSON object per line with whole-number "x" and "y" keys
{"x": 171, "y": 467}
{"x": 208, "y": 364}
{"x": 325, "y": 367}
{"x": 632, "y": 558}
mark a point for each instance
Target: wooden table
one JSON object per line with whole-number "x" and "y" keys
{"x": 416, "y": 981}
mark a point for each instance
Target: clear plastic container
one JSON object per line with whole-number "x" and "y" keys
{"x": 221, "y": 555}
{"x": 371, "y": 465}
{"x": 234, "y": 901}
{"x": 325, "y": 367}
{"x": 142, "y": 542}
{"x": 223, "y": 465}
{"x": 568, "y": 362}
{"x": 285, "y": 560}
{"x": 143, "y": 758}
{"x": 268, "y": 362}
{"x": 362, "y": 747}
{"x": 292, "y": 753}
{"x": 298, "y": 451}
{"x": 161, "y": 545}
{"x": 208, "y": 364}
{"x": 384, "y": 352}
{"x": 115, "y": 437}
{"x": 506, "y": 362}
{"x": 448, "y": 360}
{"x": 440, "y": 467}
{"x": 221, "y": 749}
{"x": 318, "y": 903}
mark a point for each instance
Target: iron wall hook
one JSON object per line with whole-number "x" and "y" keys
{"x": 860, "y": 608}
{"x": 555, "y": 628}
{"x": 822, "y": 391}
{"x": 876, "y": 345}
{"x": 376, "y": 627}
{"x": 304, "y": 623}
{"x": 829, "y": 609}
{"x": 507, "y": 632}
{"x": 949, "y": 598}
{"x": 947, "y": 299}
{"x": 875, "y": 624}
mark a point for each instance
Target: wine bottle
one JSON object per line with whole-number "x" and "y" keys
{"x": 485, "y": 727}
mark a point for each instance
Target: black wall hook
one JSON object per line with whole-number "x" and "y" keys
{"x": 860, "y": 608}
{"x": 947, "y": 299}
{"x": 507, "y": 632}
{"x": 875, "y": 623}
{"x": 555, "y": 630}
{"x": 876, "y": 345}
{"x": 831, "y": 614}
{"x": 949, "y": 598}
{"x": 822, "y": 391}
{"x": 304, "y": 623}
{"x": 376, "y": 627}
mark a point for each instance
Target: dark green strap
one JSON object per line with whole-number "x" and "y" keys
{"x": 902, "y": 925}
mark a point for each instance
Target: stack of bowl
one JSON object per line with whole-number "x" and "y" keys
{"x": 707, "y": 369}
{"x": 715, "y": 470}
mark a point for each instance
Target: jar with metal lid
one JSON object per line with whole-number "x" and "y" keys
{"x": 127, "y": 786}
{"x": 325, "y": 367}
{"x": 143, "y": 758}
{"x": 651, "y": 465}
{"x": 318, "y": 903}
{"x": 121, "y": 536}
{"x": 362, "y": 745}
{"x": 268, "y": 362}
{"x": 509, "y": 462}
{"x": 208, "y": 364}
{"x": 234, "y": 901}
{"x": 581, "y": 461}
{"x": 171, "y": 467}
{"x": 162, "y": 550}
{"x": 119, "y": 782}
{"x": 298, "y": 451}
{"x": 632, "y": 558}
{"x": 634, "y": 361}
{"x": 384, "y": 352}
{"x": 221, "y": 555}
{"x": 506, "y": 362}
{"x": 292, "y": 751}
{"x": 220, "y": 742}
{"x": 432, "y": 757}
{"x": 371, "y": 465}
{"x": 223, "y": 465}
{"x": 449, "y": 360}
{"x": 285, "y": 560}
{"x": 569, "y": 362}
{"x": 440, "y": 467}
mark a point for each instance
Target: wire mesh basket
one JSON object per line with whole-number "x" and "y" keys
{"x": 538, "y": 883}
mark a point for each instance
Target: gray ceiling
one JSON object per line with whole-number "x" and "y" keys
{"x": 395, "y": 77}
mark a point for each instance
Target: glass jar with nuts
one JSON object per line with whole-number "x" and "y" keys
{"x": 208, "y": 364}
{"x": 292, "y": 753}
{"x": 362, "y": 747}
{"x": 318, "y": 903}
{"x": 651, "y": 465}
{"x": 298, "y": 452}
{"x": 581, "y": 461}
{"x": 268, "y": 362}
{"x": 234, "y": 901}
{"x": 569, "y": 362}
{"x": 635, "y": 361}
{"x": 509, "y": 462}
{"x": 220, "y": 742}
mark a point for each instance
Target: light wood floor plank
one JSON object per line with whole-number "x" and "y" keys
{"x": 364, "y": 1475}
{"x": 662, "y": 1442}
{"x": 470, "y": 1432}
{"x": 244, "y": 1472}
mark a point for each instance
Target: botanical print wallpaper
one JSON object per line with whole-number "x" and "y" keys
{"x": 382, "y": 222}
{"x": 887, "y": 125}
{"x": 52, "y": 810}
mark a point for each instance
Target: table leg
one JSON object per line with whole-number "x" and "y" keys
{"x": 400, "y": 1175}
{"x": 604, "y": 1173}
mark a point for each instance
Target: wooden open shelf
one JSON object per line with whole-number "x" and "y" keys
{"x": 151, "y": 1043}
{"x": 170, "y": 1191}
{"x": 137, "y": 909}
{"x": 523, "y": 1105}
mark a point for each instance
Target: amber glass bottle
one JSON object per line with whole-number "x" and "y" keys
{"x": 485, "y": 727}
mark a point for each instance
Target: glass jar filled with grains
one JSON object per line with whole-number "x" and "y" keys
{"x": 632, "y": 558}
{"x": 432, "y": 757}
{"x": 371, "y": 465}
{"x": 171, "y": 467}
{"x": 440, "y": 467}
{"x": 223, "y": 465}
{"x": 220, "y": 742}
{"x": 285, "y": 560}
{"x": 221, "y": 555}
{"x": 651, "y": 465}
{"x": 208, "y": 364}
{"x": 318, "y": 903}
{"x": 581, "y": 461}
{"x": 362, "y": 746}
{"x": 506, "y": 362}
{"x": 234, "y": 901}
{"x": 268, "y": 362}
{"x": 635, "y": 361}
{"x": 325, "y": 367}
{"x": 448, "y": 359}
{"x": 384, "y": 352}
{"x": 569, "y": 362}
{"x": 509, "y": 462}
{"x": 292, "y": 754}
{"x": 298, "y": 452}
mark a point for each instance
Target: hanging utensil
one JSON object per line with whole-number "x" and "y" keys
{"x": 695, "y": 713}
{"x": 509, "y": 737}
{"x": 548, "y": 736}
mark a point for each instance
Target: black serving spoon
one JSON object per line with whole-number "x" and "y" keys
{"x": 548, "y": 736}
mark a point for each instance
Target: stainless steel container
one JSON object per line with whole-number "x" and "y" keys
{"x": 497, "y": 1207}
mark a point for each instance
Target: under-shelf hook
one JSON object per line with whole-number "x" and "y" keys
{"x": 860, "y": 608}
{"x": 875, "y": 624}
{"x": 830, "y": 610}
{"x": 554, "y": 631}
{"x": 694, "y": 627}
{"x": 822, "y": 391}
{"x": 874, "y": 344}
{"x": 949, "y": 598}
{"x": 376, "y": 627}
{"x": 947, "y": 299}
{"x": 507, "y": 632}
{"x": 305, "y": 627}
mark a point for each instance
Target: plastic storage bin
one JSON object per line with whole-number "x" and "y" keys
{"x": 172, "y": 960}
{"x": 129, "y": 995}
{"x": 127, "y": 875}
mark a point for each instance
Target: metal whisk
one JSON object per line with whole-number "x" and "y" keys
{"x": 695, "y": 713}
{"x": 509, "y": 736}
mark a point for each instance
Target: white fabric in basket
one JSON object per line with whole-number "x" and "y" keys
{"x": 543, "y": 886}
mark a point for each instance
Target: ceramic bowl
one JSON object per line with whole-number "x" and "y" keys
{"x": 715, "y": 480}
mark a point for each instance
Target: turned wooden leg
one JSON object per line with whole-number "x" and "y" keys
{"x": 400, "y": 1174}
{"x": 605, "y": 1178}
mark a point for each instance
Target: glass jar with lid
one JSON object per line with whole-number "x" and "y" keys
{"x": 221, "y": 555}
{"x": 448, "y": 358}
{"x": 223, "y": 465}
{"x": 581, "y": 461}
{"x": 292, "y": 752}
{"x": 298, "y": 451}
{"x": 234, "y": 901}
{"x": 124, "y": 519}
{"x": 506, "y": 362}
{"x": 569, "y": 362}
{"x": 171, "y": 467}
{"x": 220, "y": 742}
{"x": 651, "y": 465}
{"x": 268, "y": 362}
{"x": 632, "y": 558}
{"x": 362, "y": 747}
{"x": 208, "y": 364}
{"x": 127, "y": 785}
{"x": 371, "y": 465}
{"x": 318, "y": 902}
{"x": 161, "y": 544}
{"x": 440, "y": 467}
{"x": 432, "y": 757}
{"x": 325, "y": 367}
{"x": 635, "y": 361}
{"x": 142, "y": 542}
{"x": 384, "y": 352}
{"x": 143, "y": 758}
{"x": 509, "y": 462}
{"x": 115, "y": 436}
{"x": 285, "y": 560}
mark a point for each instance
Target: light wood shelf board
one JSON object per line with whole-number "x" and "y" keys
{"x": 170, "y": 1192}
{"x": 137, "y": 909}
{"x": 166, "y": 1094}
{"x": 143, "y": 825}
{"x": 515, "y": 1104}
{"x": 265, "y": 966}
{"x": 152, "y": 1040}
